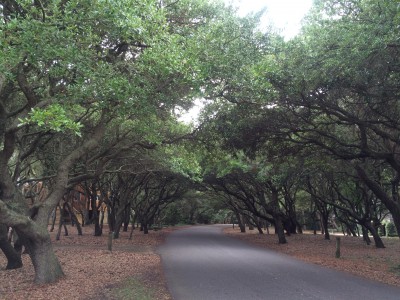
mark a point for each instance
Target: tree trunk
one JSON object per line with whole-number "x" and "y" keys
{"x": 13, "y": 257}
{"x": 111, "y": 217}
{"x": 98, "y": 224}
{"x": 61, "y": 224}
{"x": 299, "y": 227}
{"x": 365, "y": 235}
{"x": 291, "y": 224}
{"x": 85, "y": 217}
{"x": 33, "y": 230}
{"x": 125, "y": 227}
{"x": 250, "y": 223}
{"x": 35, "y": 237}
{"x": 279, "y": 230}
{"x": 377, "y": 239}
{"x": 278, "y": 218}
{"x": 396, "y": 218}
{"x": 132, "y": 229}
{"x": 38, "y": 243}
{"x": 121, "y": 218}
{"x": 53, "y": 219}
{"x": 391, "y": 205}
{"x": 127, "y": 218}
{"x": 351, "y": 230}
{"x": 240, "y": 223}
{"x": 45, "y": 262}
{"x": 118, "y": 224}
{"x": 145, "y": 228}
{"x": 74, "y": 219}
{"x": 259, "y": 226}
{"x": 325, "y": 226}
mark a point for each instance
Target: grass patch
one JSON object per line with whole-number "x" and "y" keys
{"x": 132, "y": 288}
{"x": 395, "y": 269}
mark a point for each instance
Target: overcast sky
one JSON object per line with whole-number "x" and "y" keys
{"x": 285, "y": 15}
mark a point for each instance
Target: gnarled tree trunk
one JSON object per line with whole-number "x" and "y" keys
{"x": 36, "y": 239}
{"x": 13, "y": 257}
{"x": 44, "y": 260}
{"x": 32, "y": 227}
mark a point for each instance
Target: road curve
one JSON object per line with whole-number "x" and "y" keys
{"x": 202, "y": 263}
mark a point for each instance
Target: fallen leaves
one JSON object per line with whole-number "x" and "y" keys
{"x": 91, "y": 271}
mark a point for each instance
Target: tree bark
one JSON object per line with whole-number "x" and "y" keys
{"x": 53, "y": 219}
{"x": 365, "y": 235}
{"x": 33, "y": 231}
{"x": 279, "y": 230}
{"x": 259, "y": 226}
{"x": 44, "y": 260}
{"x": 13, "y": 257}
{"x": 145, "y": 228}
{"x": 325, "y": 226}
{"x": 392, "y": 205}
{"x": 240, "y": 223}
{"x": 36, "y": 240}
{"x": 377, "y": 239}
{"x": 98, "y": 221}
{"x": 127, "y": 218}
{"x": 61, "y": 224}
{"x": 278, "y": 219}
{"x": 73, "y": 217}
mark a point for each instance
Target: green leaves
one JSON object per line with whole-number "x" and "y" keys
{"x": 55, "y": 118}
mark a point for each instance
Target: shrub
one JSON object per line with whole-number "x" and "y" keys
{"x": 391, "y": 229}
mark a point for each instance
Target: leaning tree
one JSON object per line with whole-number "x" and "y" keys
{"x": 338, "y": 85}
{"x": 69, "y": 71}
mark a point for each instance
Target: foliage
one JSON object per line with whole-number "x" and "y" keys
{"x": 390, "y": 229}
{"x": 87, "y": 85}
{"x": 54, "y": 117}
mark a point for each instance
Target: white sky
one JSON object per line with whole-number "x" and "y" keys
{"x": 284, "y": 15}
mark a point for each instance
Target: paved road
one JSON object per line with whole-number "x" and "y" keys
{"x": 201, "y": 263}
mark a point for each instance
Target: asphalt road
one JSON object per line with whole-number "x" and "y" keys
{"x": 202, "y": 263}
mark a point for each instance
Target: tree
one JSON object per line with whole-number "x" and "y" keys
{"x": 246, "y": 193}
{"x": 73, "y": 75}
{"x": 337, "y": 86}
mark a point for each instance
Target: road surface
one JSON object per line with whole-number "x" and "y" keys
{"x": 202, "y": 263}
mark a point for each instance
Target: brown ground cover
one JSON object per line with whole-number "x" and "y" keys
{"x": 356, "y": 257}
{"x": 131, "y": 271}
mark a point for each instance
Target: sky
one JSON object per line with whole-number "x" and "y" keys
{"x": 284, "y": 15}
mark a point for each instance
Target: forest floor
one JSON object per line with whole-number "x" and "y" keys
{"x": 132, "y": 270}
{"x": 356, "y": 256}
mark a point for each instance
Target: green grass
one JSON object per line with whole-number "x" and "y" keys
{"x": 132, "y": 288}
{"x": 395, "y": 269}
